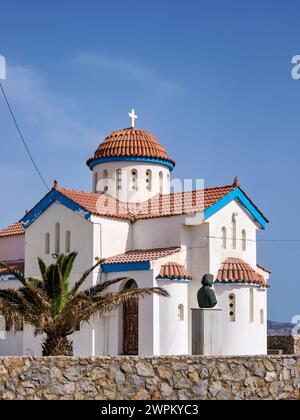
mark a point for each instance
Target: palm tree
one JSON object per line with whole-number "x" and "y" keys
{"x": 55, "y": 308}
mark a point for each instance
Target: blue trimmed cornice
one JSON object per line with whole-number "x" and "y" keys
{"x": 237, "y": 194}
{"x": 53, "y": 196}
{"x": 173, "y": 279}
{"x": 132, "y": 266}
{"x": 96, "y": 161}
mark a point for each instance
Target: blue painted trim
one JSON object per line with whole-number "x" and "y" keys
{"x": 52, "y": 197}
{"x": 95, "y": 162}
{"x": 175, "y": 279}
{"x": 241, "y": 283}
{"x": 133, "y": 266}
{"x": 245, "y": 202}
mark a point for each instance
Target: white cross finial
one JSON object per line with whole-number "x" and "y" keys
{"x": 133, "y": 118}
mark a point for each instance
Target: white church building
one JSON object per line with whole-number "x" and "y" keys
{"x": 152, "y": 237}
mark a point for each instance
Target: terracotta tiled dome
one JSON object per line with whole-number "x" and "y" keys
{"x": 131, "y": 142}
{"x": 235, "y": 270}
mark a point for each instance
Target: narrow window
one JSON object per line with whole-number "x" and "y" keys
{"x": 181, "y": 312}
{"x": 119, "y": 179}
{"x": 149, "y": 180}
{"x": 68, "y": 241}
{"x": 261, "y": 316}
{"x": 244, "y": 240}
{"x": 233, "y": 231}
{"x": 47, "y": 243}
{"x": 224, "y": 237}
{"x": 57, "y": 238}
{"x": 134, "y": 180}
{"x": 105, "y": 180}
{"x": 95, "y": 181}
{"x": 231, "y": 309}
{"x": 251, "y": 303}
{"x": 161, "y": 179}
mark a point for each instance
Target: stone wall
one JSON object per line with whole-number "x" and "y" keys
{"x": 289, "y": 344}
{"x": 177, "y": 377}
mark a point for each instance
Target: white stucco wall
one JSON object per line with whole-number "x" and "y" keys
{"x": 12, "y": 345}
{"x": 224, "y": 218}
{"x": 157, "y": 233}
{"x": 111, "y": 236}
{"x": 81, "y": 238}
{"x": 243, "y": 337}
{"x": 12, "y": 248}
{"x": 125, "y": 194}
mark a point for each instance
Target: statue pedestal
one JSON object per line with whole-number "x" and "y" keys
{"x": 207, "y": 332}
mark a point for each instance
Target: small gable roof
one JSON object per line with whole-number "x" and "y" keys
{"x": 173, "y": 270}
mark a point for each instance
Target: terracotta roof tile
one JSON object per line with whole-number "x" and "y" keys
{"x": 142, "y": 255}
{"x": 159, "y": 206}
{"x": 16, "y": 264}
{"x": 235, "y": 270}
{"x": 173, "y": 270}
{"x": 12, "y": 230}
{"x": 131, "y": 142}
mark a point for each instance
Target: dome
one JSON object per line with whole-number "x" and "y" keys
{"x": 128, "y": 144}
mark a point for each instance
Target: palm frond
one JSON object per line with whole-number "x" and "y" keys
{"x": 11, "y": 296}
{"x": 100, "y": 304}
{"x": 66, "y": 263}
{"x": 11, "y": 270}
{"x": 85, "y": 275}
{"x": 102, "y": 286}
{"x": 42, "y": 267}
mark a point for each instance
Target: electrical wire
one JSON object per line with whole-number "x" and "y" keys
{"x": 254, "y": 240}
{"x": 22, "y": 137}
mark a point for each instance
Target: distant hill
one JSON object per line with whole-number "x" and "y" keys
{"x": 280, "y": 328}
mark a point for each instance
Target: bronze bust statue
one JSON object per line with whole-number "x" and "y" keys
{"x": 206, "y": 295}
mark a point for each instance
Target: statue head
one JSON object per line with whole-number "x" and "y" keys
{"x": 207, "y": 280}
{"x": 206, "y": 295}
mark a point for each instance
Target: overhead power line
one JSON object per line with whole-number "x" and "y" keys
{"x": 253, "y": 240}
{"x": 22, "y": 138}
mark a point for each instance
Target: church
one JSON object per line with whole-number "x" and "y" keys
{"x": 151, "y": 236}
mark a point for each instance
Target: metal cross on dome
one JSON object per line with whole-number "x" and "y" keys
{"x": 133, "y": 117}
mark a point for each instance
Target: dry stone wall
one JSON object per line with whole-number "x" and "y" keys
{"x": 184, "y": 377}
{"x": 288, "y": 344}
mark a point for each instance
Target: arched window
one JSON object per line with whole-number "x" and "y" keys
{"x": 149, "y": 180}
{"x": 224, "y": 237}
{"x": 57, "y": 238}
{"x": 134, "y": 180}
{"x": 233, "y": 231}
{"x": 105, "y": 178}
{"x": 251, "y": 305}
{"x": 231, "y": 307}
{"x": 261, "y": 316}
{"x": 119, "y": 179}
{"x": 47, "y": 243}
{"x": 181, "y": 312}
{"x": 244, "y": 240}
{"x": 161, "y": 180}
{"x": 95, "y": 181}
{"x": 68, "y": 241}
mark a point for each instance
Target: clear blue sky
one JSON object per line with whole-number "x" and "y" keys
{"x": 211, "y": 79}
